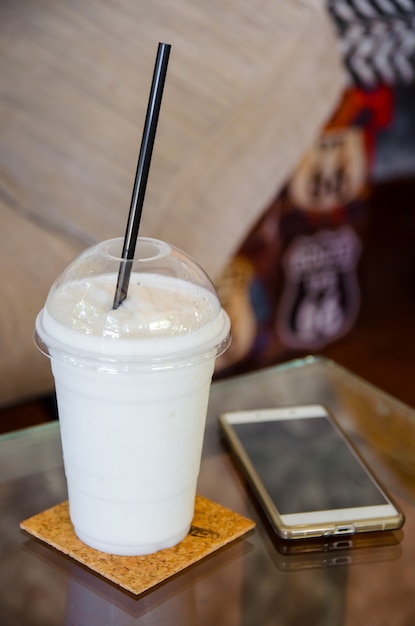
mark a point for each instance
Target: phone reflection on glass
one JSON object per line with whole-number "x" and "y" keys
{"x": 346, "y": 551}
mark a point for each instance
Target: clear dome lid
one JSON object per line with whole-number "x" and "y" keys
{"x": 171, "y": 305}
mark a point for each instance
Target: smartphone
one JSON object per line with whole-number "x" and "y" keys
{"x": 308, "y": 477}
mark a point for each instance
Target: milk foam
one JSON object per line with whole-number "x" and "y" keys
{"x": 161, "y": 315}
{"x": 155, "y": 306}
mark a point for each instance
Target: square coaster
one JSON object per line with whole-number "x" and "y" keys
{"x": 213, "y": 527}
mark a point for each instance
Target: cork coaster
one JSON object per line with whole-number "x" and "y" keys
{"x": 213, "y": 527}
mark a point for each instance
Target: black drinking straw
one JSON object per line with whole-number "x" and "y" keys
{"x": 141, "y": 176}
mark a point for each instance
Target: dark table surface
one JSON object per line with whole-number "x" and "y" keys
{"x": 251, "y": 582}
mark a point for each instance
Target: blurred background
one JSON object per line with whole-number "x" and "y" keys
{"x": 298, "y": 146}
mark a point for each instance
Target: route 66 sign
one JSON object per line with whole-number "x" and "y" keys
{"x": 332, "y": 173}
{"x": 320, "y": 300}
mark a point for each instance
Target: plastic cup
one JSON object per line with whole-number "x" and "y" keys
{"x": 132, "y": 389}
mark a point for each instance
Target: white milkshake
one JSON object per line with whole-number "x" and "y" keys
{"x": 132, "y": 387}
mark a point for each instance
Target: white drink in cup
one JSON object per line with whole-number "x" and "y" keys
{"x": 132, "y": 387}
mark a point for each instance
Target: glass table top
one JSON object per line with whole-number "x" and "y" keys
{"x": 252, "y": 581}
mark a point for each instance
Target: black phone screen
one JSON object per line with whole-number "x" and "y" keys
{"x": 305, "y": 465}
